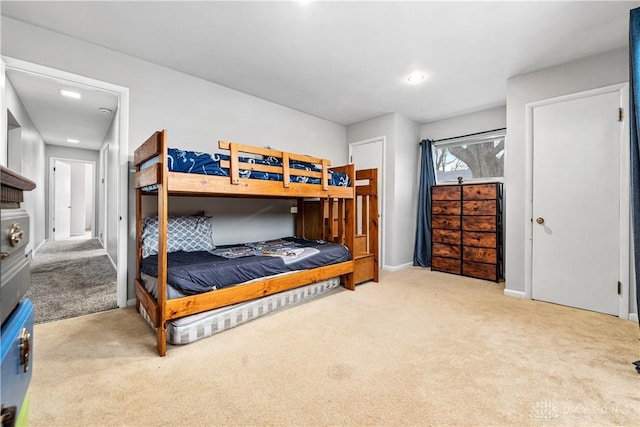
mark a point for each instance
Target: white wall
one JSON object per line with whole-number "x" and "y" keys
{"x": 405, "y": 190}
{"x": 32, "y": 167}
{"x": 589, "y": 73}
{"x": 401, "y": 177}
{"x": 479, "y": 121}
{"x": 381, "y": 126}
{"x": 196, "y": 113}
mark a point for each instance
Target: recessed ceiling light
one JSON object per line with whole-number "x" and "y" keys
{"x": 73, "y": 141}
{"x": 416, "y": 77}
{"x": 70, "y": 94}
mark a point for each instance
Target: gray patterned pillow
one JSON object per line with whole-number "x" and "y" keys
{"x": 185, "y": 233}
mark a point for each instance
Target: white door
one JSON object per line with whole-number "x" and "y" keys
{"x": 61, "y": 200}
{"x": 369, "y": 154}
{"x": 576, "y": 202}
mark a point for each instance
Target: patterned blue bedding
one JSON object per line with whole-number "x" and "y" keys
{"x": 209, "y": 164}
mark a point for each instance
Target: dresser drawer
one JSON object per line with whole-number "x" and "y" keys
{"x": 479, "y": 223}
{"x": 14, "y": 231}
{"x": 480, "y": 270}
{"x": 445, "y": 221}
{"x": 446, "y": 192}
{"x": 16, "y": 349}
{"x": 446, "y": 250}
{"x": 479, "y": 192}
{"x": 15, "y": 281}
{"x": 487, "y": 255}
{"x": 478, "y": 239}
{"x": 479, "y": 207}
{"x": 448, "y": 265}
{"x": 446, "y": 236}
{"x": 445, "y": 208}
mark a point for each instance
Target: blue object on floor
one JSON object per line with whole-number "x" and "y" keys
{"x": 16, "y": 349}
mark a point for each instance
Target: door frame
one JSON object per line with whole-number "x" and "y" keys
{"x": 122, "y": 177}
{"x": 4, "y": 126}
{"x": 381, "y": 178}
{"x": 624, "y": 207}
{"x": 103, "y": 178}
{"x": 52, "y": 177}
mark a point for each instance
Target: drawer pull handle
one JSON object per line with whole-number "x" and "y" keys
{"x": 15, "y": 234}
{"x": 25, "y": 349}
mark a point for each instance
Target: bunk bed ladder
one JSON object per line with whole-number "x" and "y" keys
{"x": 366, "y": 249}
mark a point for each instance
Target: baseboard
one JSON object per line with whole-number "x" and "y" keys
{"x": 131, "y": 302}
{"x": 514, "y": 294}
{"x": 36, "y": 249}
{"x": 112, "y": 263}
{"x": 397, "y": 267}
{"x": 633, "y": 317}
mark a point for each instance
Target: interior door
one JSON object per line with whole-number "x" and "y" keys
{"x": 576, "y": 200}
{"x": 61, "y": 200}
{"x": 370, "y": 155}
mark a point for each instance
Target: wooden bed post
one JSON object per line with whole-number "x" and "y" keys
{"x": 350, "y": 226}
{"x": 138, "y": 236}
{"x": 163, "y": 205}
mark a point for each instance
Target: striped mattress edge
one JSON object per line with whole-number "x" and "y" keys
{"x": 192, "y": 328}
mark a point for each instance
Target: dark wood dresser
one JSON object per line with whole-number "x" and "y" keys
{"x": 466, "y": 234}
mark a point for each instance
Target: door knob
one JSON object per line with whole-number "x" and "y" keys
{"x": 540, "y": 220}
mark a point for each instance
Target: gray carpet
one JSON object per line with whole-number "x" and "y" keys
{"x": 71, "y": 278}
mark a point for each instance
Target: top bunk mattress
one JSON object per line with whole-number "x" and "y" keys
{"x": 210, "y": 164}
{"x": 197, "y": 272}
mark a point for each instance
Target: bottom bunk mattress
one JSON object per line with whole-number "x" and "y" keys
{"x": 192, "y": 328}
{"x": 192, "y": 273}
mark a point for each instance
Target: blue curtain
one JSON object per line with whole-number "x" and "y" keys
{"x": 422, "y": 248}
{"x": 634, "y": 75}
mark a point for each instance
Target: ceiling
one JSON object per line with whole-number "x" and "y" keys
{"x": 59, "y": 118}
{"x": 347, "y": 61}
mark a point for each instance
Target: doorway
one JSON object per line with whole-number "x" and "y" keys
{"x": 369, "y": 154}
{"x": 118, "y": 152}
{"x": 579, "y": 248}
{"x": 72, "y": 199}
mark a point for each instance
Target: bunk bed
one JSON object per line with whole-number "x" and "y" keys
{"x": 337, "y": 214}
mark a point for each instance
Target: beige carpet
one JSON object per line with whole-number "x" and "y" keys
{"x": 418, "y": 348}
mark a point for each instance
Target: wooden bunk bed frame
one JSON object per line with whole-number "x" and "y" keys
{"x": 338, "y": 216}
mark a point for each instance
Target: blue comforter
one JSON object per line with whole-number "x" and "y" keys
{"x": 209, "y": 164}
{"x": 197, "y": 272}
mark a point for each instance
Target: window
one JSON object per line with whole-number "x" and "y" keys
{"x": 473, "y": 157}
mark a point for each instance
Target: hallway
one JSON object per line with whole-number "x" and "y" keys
{"x": 71, "y": 278}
